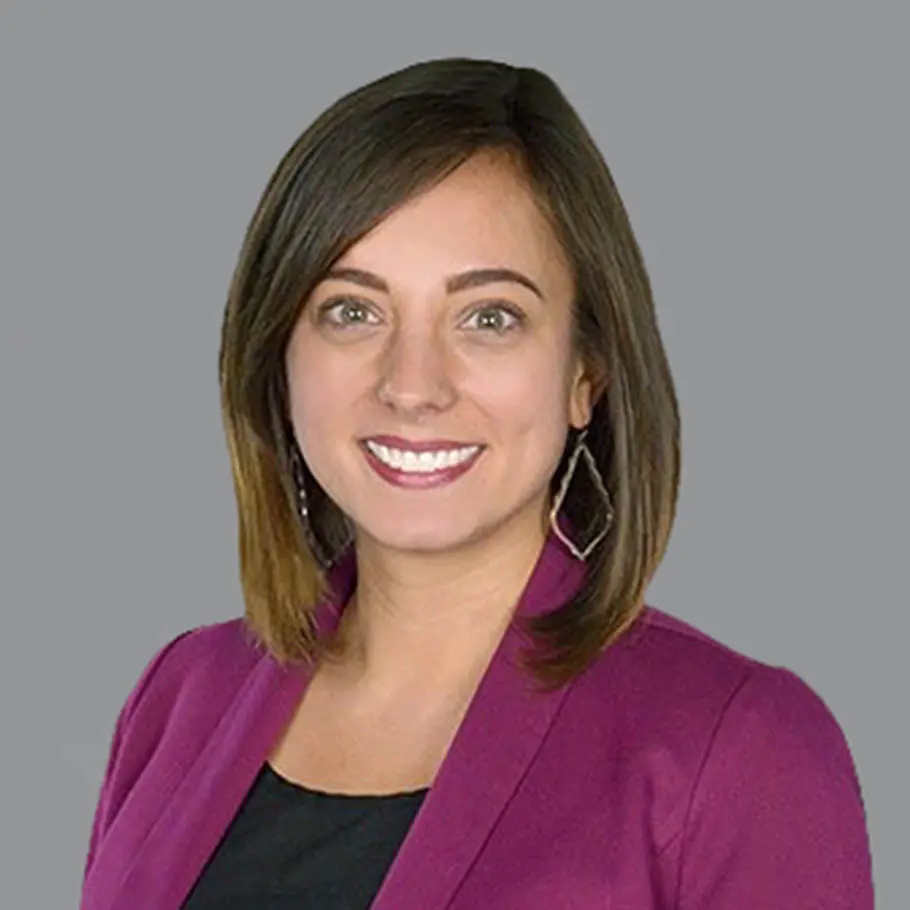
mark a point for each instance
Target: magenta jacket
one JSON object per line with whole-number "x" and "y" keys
{"x": 675, "y": 773}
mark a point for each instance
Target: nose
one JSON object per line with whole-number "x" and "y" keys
{"x": 414, "y": 376}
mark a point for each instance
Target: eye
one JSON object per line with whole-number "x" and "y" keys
{"x": 497, "y": 318}
{"x": 346, "y": 311}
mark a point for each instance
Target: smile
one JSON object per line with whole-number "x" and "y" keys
{"x": 421, "y": 462}
{"x": 425, "y": 465}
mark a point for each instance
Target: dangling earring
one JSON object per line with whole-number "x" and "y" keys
{"x": 580, "y": 450}
{"x": 303, "y": 506}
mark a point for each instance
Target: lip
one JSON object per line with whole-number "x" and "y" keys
{"x": 418, "y": 480}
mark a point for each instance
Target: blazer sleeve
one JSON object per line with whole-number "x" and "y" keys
{"x": 776, "y": 817}
{"x": 113, "y": 789}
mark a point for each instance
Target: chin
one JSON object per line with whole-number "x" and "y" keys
{"x": 410, "y": 536}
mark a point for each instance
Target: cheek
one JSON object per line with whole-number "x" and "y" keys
{"x": 311, "y": 417}
{"x": 535, "y": 407}
{"x": 316, "y": 391}
{"x": 529, "y": 395}
{"x": 317, "y": 420}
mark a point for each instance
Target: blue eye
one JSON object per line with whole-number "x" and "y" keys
{"x": 496, "y": 318}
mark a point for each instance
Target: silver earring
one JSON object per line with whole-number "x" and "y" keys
{"x": 303, "y": 507}
{"x": 580, "y": 450}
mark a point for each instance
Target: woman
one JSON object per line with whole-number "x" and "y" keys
{"x": 455, "y": 446}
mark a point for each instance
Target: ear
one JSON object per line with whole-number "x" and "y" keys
{"x": 582, "y": 395}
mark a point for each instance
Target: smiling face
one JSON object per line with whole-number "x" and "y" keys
{"x": 432, "y": 376}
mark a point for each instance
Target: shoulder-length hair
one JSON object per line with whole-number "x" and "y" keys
{"x": 364, "y": 156}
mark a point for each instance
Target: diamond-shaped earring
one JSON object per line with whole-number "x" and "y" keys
{"x": 581, "y": 451}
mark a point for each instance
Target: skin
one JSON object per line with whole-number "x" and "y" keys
{"x": 439, "y": 570}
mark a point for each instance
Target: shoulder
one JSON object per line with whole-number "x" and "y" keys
{"x": 675, "y": 697}
{"x": 712, "y": 730}
{"x": 195, "y": 672}
{"x": 744, "y": 683}
{"x": 766, "y": 798}
{"x": 766, "y": 721}
{"x": 222, "y": 653}
{"x": 672, "y": 668}
{"x": 222, "y": 650}
{"x": 179, "y": 697}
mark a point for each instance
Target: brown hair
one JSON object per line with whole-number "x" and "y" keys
{"x": 366, "y": 155}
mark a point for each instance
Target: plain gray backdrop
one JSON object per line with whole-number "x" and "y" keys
{"x": 762, "y": 152}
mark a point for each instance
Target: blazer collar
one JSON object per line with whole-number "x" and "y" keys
{"x": 497, "y": 740}
{"x": 449, "y": 829}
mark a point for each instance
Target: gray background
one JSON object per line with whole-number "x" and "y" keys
{"x": 761, "y": 150}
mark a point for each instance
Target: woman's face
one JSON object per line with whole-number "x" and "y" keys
{"x": 432, "y": 377}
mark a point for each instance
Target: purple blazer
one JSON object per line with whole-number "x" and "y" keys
{"x": 674, "y": 773}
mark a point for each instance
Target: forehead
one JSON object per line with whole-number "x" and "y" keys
{"x": 483, "y": 214}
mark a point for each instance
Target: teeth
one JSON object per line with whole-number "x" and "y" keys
{"x": 421, "y": 462}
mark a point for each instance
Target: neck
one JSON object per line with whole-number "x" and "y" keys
{"x": 434, "y": 619}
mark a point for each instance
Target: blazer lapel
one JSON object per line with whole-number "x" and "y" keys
{"x": 497, "y": 740}
{"x": 192, "y": 822}
{"x": 500, "y": 734}
{"x": 202, "y": 806}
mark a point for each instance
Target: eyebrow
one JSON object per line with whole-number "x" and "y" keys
{"x": 464, "y": 281}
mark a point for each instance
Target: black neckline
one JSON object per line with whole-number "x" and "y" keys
{"x": 293, "y": 786}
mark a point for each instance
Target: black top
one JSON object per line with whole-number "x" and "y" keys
{"x": 293, "y": 848}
